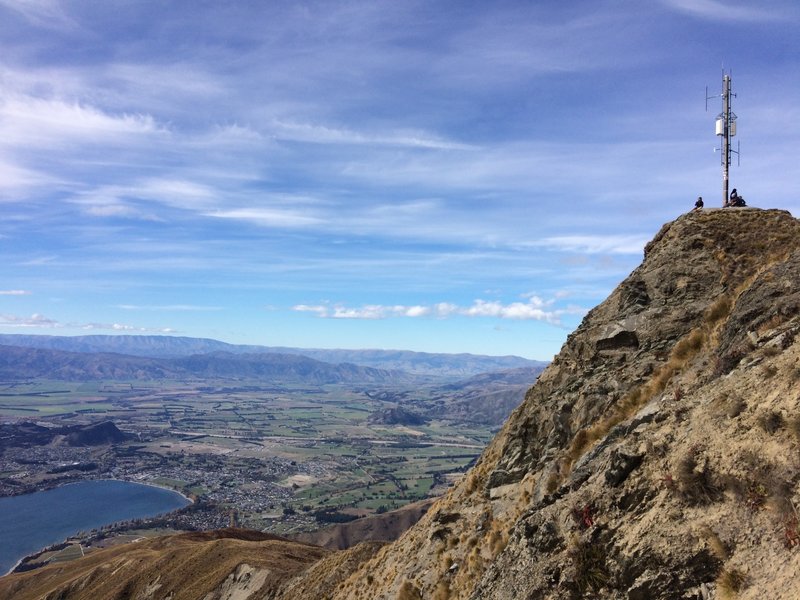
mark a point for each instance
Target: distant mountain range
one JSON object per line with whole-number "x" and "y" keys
{"x": 17, "y": 363}
{"x": 454, "y": 366}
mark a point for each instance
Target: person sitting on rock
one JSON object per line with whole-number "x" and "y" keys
{"x": 736, "y": 199}
{"x": 699, "y": 204}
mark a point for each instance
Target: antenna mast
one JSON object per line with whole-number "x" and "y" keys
{"x": 726, "y": 129}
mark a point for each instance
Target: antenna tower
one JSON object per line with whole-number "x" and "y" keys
{"x": 726, "y": 129}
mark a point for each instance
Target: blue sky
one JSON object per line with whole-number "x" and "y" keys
{"x": 435, "y": 176}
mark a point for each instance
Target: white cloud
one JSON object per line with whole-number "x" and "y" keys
{"x": 268, "y": 217}
{"x": 38, "y": 321}
{"x": 35, "y": 320}
{"x": 515, "y": 310}
{"x": 533, "y": 309}
{"x": 319, "y": 310}
{"x": 28, "y": 121}
{"x": 14, "y": 293}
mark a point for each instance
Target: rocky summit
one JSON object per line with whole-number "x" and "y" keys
{"x": 656, "y": 457}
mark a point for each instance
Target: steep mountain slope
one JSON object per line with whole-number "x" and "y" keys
{"x": 655, "y": 458}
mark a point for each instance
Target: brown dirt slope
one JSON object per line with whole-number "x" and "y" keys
{"x": 386, "y": 527}
{"x": 656, "y": 457}
{"x": 210, "y": 566}
{"x": 321, "y": 579}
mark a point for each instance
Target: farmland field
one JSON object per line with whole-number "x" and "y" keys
{"x": 273, "y": 457}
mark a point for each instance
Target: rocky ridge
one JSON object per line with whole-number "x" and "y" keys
{"x": 655, "y": 458}
{"x": 233, "y": 564}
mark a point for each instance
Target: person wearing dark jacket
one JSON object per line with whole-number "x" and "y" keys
{"x": 736, "y": 199}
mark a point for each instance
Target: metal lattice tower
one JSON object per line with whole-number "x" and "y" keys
{"x": 726, "y": 129}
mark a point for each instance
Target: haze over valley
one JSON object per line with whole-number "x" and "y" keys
{"x": 268, "y": 440}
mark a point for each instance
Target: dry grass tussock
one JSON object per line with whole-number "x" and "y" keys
{"x": 206, "y": 564}
{"x": 409, "y": 591}
{"x": 765, "y": 245}
{"x": 730, "y": 582}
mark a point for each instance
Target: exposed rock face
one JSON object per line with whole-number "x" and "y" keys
{"x": 655, "y": 458}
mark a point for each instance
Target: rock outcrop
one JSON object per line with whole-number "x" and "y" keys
{"x": 655, "y": 458}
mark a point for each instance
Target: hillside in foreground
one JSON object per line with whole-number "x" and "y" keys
{"x": 656, "y": 457}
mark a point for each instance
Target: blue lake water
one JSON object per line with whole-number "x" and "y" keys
{"x": 30, "y": 522}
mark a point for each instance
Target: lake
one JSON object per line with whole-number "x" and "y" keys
{"x": 31, "y": 522}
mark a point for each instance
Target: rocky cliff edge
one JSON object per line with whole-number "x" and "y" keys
{"x": 656, "y": 457}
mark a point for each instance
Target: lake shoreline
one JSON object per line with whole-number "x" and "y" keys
{"x": 33, "y": 555}
{"x": 60, "y": 484}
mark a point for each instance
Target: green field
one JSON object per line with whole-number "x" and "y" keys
{"x": 257, "y": 449}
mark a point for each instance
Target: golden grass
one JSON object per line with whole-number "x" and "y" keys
{"x": 717, "y": 546}
{"x": 409, "y": 591}
{"x": 206, "y": 563}
{"x": 730, "y": 582}
{"x": 442, "y": 591}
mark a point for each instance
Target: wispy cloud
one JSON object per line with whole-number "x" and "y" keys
{"x": 29, "y": 121}
{"x": 322, "y": 134}
{"x": 123, "y": 327}
{"x": 268, "y": 217}
{"x": 43, "y": 13}
{"x": 594, "y": 244}
{"x": 717, "y": 10}
{"x": 170, "y": 307}
{"x": 35, "y": 320}
{"x": 137, "y": 199}
{"x": 15, "y": 179}
{"x": 533, "y": 309}
{"x": 14, "y": 293}
{"x": 39, "y": 321}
